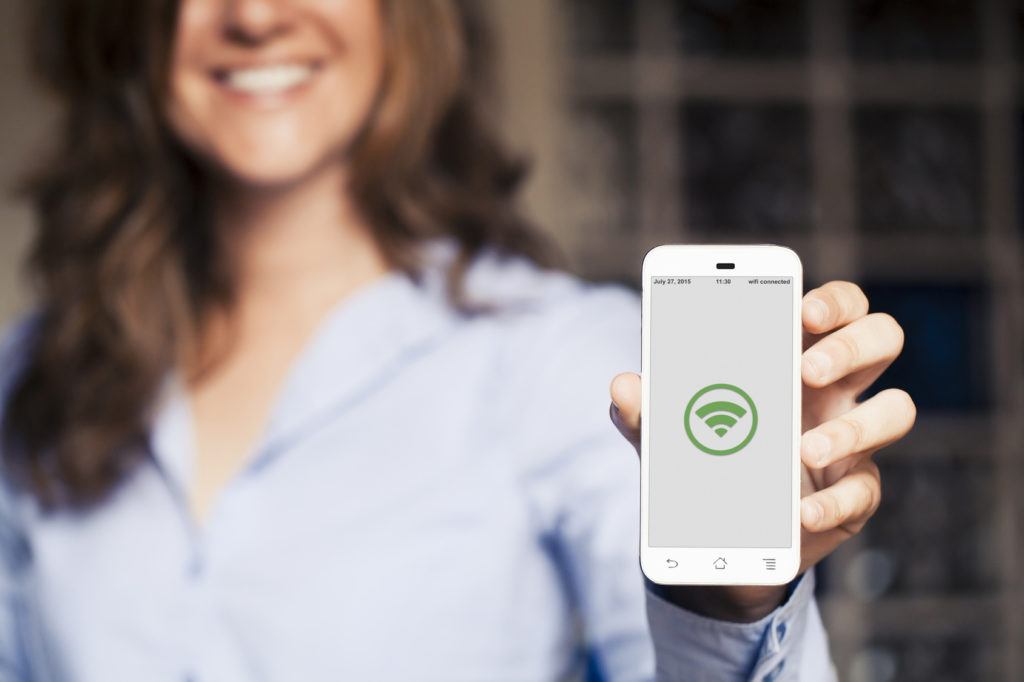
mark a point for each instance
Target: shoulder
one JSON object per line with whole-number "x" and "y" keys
{"x": 558, "y": 340}
{"x": 550, "y": 310}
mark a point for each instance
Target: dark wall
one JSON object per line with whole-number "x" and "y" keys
{"x": 881, "y": 140}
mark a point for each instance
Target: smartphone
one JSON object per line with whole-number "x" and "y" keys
{"x": 720, "y": 415}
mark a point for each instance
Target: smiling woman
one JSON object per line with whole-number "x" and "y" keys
{"x": 301, "y": 399}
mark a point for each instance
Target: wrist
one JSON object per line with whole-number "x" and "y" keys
{"x": 741, "y": 604}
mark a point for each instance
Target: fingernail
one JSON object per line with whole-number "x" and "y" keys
{"x": 816, "y": 311}
{"x": 819, "y": 363}
{"x": 813, "y": 511}
{"x": 817, "y": 446}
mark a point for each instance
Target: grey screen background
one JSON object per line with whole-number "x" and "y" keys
{"x": 704, "y": 333}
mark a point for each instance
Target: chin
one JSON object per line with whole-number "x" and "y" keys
{"x": 270, "y": 167}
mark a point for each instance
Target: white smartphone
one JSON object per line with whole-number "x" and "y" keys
{"x": 720, "y": 415}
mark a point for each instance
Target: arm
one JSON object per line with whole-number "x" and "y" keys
{"x": 579, "y": 475}
{"x": 787, "y": 643}
{"x": 846, "y": 351}
{"x": 13, "y": 666}
{"x": 14, "y": 553}
{"x": 585, "y": 489}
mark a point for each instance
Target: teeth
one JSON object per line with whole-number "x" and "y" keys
{"x": 268, "y": 79}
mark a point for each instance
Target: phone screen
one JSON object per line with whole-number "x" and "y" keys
{"x": 721, "y": 411}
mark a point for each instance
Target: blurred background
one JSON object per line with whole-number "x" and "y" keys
{"x": 882, "y": 140}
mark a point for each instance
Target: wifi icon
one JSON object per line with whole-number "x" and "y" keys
{"x": 725, "y": 410}
{"x": 720, "y": 415}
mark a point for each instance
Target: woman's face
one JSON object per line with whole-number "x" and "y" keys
{"x": 269, "y": 91}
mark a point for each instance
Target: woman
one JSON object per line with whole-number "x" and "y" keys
{"x": 301, "y": 402}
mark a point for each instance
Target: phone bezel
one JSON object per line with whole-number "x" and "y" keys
{"x": 695, "y": 565}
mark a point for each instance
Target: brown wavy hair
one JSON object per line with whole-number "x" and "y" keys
{"x": 124, "y": 262}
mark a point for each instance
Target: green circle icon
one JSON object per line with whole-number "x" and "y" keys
{"x": 720, "y": 416}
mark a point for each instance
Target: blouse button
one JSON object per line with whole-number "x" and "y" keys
{"x": 194, "y": 570}
{"x": 775, "y": 672}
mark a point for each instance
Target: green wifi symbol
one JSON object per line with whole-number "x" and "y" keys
{"x": 727, "y": 409}
{"x": 720, "y": 415}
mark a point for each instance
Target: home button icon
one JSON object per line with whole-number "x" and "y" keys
{"x": 720, "y": 564}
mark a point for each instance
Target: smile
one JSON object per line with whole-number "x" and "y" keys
{"x": 270, "y": 79}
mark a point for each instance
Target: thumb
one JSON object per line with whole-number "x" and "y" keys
{"x": 625, "y": 407}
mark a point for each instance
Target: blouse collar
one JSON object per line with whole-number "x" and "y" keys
{"x": 368, "y": 335}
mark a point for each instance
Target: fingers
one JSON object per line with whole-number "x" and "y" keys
{"x": 875, "y": 338}
{"x": 885, "y": 417}
{"x": 625, "y": 407}
{"x": 847, "y": 504}
{"x": 832, "y": 305}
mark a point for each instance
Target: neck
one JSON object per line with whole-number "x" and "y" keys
{"x": 303, "y": 245}
{"x": 294, "y": 252}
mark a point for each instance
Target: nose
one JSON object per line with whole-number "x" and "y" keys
{"x": 253, "y": 22}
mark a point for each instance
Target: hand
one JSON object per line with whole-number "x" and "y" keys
{"x": 845, "y": 351}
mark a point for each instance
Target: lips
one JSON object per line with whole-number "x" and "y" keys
{"x": 266, "y": 79}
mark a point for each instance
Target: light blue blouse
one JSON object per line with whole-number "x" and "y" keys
{"x": 434, "y": 497}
